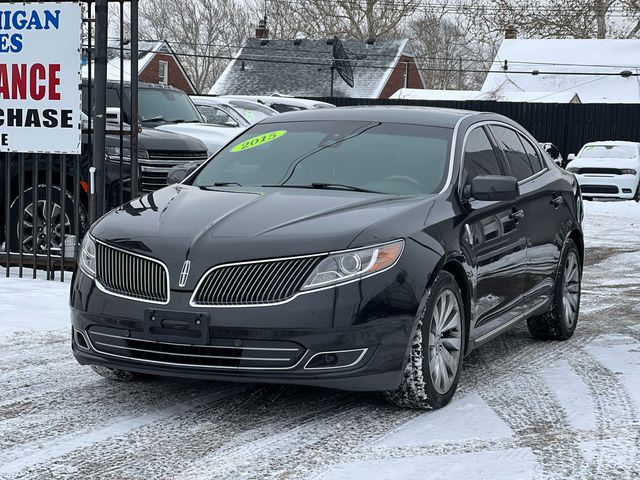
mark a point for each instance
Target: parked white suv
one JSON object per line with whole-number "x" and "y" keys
{"x": 608, "y": 169}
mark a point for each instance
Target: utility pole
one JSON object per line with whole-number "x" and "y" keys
{"x": 460, "y": 73}
{"x": 134, "y": 99}
{"x": 100, "y": 112}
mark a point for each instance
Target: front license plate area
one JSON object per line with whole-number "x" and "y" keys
{"x": 178, "y": 327}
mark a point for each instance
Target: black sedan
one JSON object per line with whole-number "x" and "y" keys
{"x": 353, "y": 248}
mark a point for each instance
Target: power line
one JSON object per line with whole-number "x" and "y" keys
{"x": 390, "y": 56}
{"x": 327, "y": 64}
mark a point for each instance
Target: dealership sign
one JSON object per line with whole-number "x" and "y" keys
{"x": 40, "y": 98}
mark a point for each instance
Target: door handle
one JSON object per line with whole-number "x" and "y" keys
{"x": 557, "y": 200}
{"x": 516, "y": 215}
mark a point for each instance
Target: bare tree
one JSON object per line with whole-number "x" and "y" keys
{"x": 203, "y": 33}
{"x": 361, "y": 19}
{"x": 558, "y": 19}
{"x": 445, "y": 52}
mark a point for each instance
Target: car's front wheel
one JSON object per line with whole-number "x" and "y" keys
{"x": 435, "y": 360}
{"x": 560, "y": 321}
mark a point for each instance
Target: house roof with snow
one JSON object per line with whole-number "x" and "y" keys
{"x": 302, "y": 68}
{"x": 148, "y": 52}
{"x": 574, "y": 65}
{"x": 501, "y": 96}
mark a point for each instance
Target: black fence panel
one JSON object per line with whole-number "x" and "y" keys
{"x": 47, "y": 200}
{"x": 568, "y": 126}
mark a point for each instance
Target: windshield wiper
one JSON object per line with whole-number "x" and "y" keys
{"x": 180, "y": 120}
{"x": 326, "y": 186}
{"x": 226, "y": 184}
{"x": 154, "y": 119}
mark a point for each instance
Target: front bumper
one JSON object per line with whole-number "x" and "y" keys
{"x": 372, "y": 320}
{"x": 608, "y": 186}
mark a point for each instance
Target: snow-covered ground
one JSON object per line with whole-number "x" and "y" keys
{"x": 525, "y": 409}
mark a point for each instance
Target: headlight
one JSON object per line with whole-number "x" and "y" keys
{"x": 342, "y": 267}
{"x": 88, "y": 256}
{"x": 572, "y": 169}
{"x": 627, "y": 171}
{"x": 113, "y": 153}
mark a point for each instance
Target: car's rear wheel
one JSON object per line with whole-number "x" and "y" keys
{"x": 560, "y": 321}
{"x": 435, "y": 360}
{"x": 115, "y": 374}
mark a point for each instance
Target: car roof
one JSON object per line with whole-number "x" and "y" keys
{"x": 442, "y": 117}
{"x": 612, "y": 143}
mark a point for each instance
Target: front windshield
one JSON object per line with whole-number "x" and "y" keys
{"x": 608, "y": 151}
{"x": 253, "y": 112}
{"x": 388, "y": 158}
{"x": 163, "y": 105}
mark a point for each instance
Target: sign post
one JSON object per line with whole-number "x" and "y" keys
{"x": 40, "y": 58}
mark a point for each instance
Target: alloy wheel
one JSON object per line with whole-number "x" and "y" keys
{"x": 445, "y": 341}
{"x": 49, "y": 227}
{"x": 571, "y": 289}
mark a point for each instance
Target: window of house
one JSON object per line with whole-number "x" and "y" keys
{"x": 163, "y": 72}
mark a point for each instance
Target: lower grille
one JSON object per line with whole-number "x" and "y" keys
{"x": 222, "y": 354}
{"x": 129, "y": 275}
{"x": 604, "y": 171}
{"x": 154, "y": 169}
{"x": 599, "y": 189}
{"x": 256, "y": 283}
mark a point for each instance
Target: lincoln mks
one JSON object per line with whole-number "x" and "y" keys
{"x": 365, "y": 249}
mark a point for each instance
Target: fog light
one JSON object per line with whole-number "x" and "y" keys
{"x": 626, "y": 190}
{"x": 330, "y": 359}
{"x": 80, "y": 339}
{"x": 336, "y": 359}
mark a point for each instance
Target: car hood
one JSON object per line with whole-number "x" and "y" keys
{"x": 213, "y": 136}
{"x": 604, "y": 163}
{"x": 152, "y": 139}
{"x": 212, "y": 227}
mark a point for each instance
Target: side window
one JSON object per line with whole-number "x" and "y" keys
{"x": 510, "y": 143}
{"x": 215, "y": 115}
{"x": 479, "y": 157}
{"x": 532, "y": 154}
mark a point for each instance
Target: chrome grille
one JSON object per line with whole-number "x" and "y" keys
{"x": 223, "y": 353}
{"x": 154, "y": 169}
{"x": 254, "y": 283}
{"x": 130, "y": 275}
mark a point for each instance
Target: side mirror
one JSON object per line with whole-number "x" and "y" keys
{"x": 113, "y": 115}
{"x": 179, "y": 172}
{"x": 495, "y": 188}
{"x": 571, "y": 157}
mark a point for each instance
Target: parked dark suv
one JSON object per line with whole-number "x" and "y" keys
{"x": 354, "y": 248}
{"x": 158, "y": 153}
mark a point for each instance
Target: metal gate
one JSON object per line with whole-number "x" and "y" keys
{"x": 48, "y": 201}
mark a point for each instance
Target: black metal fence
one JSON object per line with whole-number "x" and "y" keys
{"x": 48, "y": 201}
{"x": 567, "y": 126}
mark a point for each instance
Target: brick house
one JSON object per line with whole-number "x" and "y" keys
{"x": 157, "y": 63}
{"x": 301, "y": 68}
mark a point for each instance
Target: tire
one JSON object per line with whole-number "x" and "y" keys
{"x": 636, "y": 197}
{"x": 419, "y": 388}
{"x": 115, "y": 375}
{"x": 559, "y": 322}
{"x": 55, "y": 238}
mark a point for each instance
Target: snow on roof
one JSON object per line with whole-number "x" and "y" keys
{"x": 502, "y": 96}
{"x": 612, "y": 142}
{"x": 302, "y": 68}
{"x": 146, "y": 52}
{"x": 569, "y": 56}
